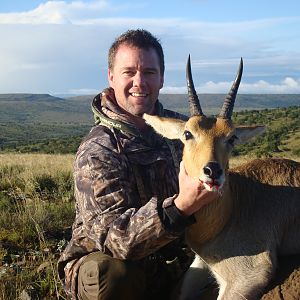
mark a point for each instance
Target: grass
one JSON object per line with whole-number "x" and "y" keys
{"x": 239, "y": 160}
{"x": 36, "y": 214}
{"x": 37, "y": 210}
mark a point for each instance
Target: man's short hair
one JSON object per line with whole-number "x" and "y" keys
{"x": 139, "y": 38}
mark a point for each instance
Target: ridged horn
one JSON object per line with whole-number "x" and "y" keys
{"x": 227, "y": 109}
{"x": 195, "y": 107}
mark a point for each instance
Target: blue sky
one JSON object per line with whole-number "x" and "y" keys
{"x": 60, "y": 47}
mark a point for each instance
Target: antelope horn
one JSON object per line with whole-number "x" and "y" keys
{"x": 195, "y": 107}
{"x": 226, "y": 111}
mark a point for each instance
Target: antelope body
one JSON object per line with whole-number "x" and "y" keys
{"x": 256, "y": 215}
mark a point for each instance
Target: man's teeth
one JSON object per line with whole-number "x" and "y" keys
{"x": 138, "y": 95}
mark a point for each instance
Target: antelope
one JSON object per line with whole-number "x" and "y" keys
{"x": 256, "y": 215}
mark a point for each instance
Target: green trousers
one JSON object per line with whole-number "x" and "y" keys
{"x": 103, "y": 277}
{"x": 106, "y": 278}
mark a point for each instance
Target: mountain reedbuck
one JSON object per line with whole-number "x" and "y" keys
{"x": 256, "y": 215}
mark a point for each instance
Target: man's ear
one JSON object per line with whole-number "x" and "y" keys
{"x": 110, "y": 77}
{"x": 161, "y": 81}
{"x": 167, "y": 127}
{"x": 245, "y": 133}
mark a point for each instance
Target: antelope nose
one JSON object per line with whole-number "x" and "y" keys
{"x": 213, "y": 170}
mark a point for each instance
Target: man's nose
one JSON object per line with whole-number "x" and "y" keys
{"x": 138, "y": 79}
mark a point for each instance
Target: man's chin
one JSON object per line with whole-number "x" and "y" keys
{"x": 139, "y": 111}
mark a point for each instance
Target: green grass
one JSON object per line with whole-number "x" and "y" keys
{"x": 282, "y": 132}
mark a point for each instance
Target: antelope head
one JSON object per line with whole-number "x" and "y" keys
{"x": 208, "y": 141}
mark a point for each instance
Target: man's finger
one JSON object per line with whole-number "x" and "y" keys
{"x": 182, "y": 168}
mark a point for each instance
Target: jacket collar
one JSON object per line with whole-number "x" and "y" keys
{"x": 108, "y": 113}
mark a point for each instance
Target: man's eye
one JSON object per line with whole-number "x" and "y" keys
{"x": 128, "y": 73}
{"x": 187, "y": 134}
{"x": 232, "y": 140}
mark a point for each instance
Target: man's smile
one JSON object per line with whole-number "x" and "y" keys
{"x": 138, "y": 94}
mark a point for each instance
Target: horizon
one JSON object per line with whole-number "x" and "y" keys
{"x": 60, "y": 47}
{"x": 161, "y": 93}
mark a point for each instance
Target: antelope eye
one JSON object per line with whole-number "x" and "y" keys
{"x": 187, "y": 134}
{"x": 232, "y": 139}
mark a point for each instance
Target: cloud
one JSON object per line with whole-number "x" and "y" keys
{"x": 287, "y": 86}
{"x": 59, "y": 12}
{"x": 83, "y": 91}
{"x": 62, "y": 47}
{"x": 103, "y": 11}
{"x": 290, "y": 82}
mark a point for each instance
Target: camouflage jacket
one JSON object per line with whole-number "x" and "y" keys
{"x": 126, "y": 178}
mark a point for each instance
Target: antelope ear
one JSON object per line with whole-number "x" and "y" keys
{"x": 167, "y": 127}
{"x": 245, "y": 133}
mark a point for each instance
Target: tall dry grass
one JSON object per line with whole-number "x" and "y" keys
{"x": 239, "y": 160}
{"x": 36, "y": 212}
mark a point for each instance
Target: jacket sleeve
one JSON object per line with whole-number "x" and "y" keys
{"x": 106, "y": 217}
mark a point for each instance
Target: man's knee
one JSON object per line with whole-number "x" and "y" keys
{"x": 103, "y": 277}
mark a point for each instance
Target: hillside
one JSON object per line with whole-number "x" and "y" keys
{"x": 47, "y": 124}
{"x": 211, "y": 103}
{"x": 44, "y": 108}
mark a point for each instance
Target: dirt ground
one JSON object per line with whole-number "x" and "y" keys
{"x": 285, "y": 286}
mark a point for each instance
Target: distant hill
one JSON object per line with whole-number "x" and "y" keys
{"x": 27, "y": 119}
{"x": 211, "y": 103}
{"x": 28, "y": 97}
{"x": 35, "y": 119}
{"x": 44, "y": 108}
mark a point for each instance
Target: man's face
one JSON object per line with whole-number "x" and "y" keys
{"x": 136, "y": 79}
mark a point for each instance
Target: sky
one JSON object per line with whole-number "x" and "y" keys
{"x": 60, "y": 47}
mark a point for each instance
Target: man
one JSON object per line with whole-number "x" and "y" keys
{"x": 127, "y": 240}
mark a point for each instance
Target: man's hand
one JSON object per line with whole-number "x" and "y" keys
{"x": 192, "y": 194}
